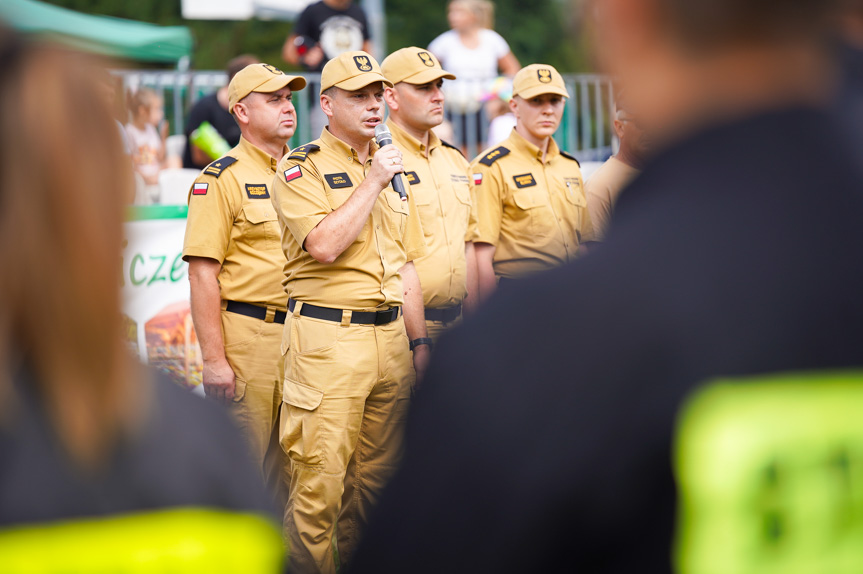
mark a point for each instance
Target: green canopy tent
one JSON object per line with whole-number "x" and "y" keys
{"x": 114, "y": 37}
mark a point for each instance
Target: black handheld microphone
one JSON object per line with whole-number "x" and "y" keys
{"x": 384, "y": 137}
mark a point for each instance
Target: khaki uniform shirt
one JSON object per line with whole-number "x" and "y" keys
{"x": 232, "y": 221}
{"x": 534, "y": 213}
{"x": 442, "y": 193}
{"x": 602, "y": 190}
{"x": 312, "y": 182}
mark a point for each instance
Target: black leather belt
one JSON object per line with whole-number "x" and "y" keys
{"x": 250, "y": 310}
{"x": 444, "y": 314}
{"x": 357, "y": 317}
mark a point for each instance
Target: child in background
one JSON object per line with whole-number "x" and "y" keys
{"x": 501, "y": 118}
{"x": 147, "y": 143}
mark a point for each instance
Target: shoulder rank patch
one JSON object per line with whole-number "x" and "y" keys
{"x": 449, "y": 145}
{"x": 257, "y": 191}
{"x": 494, "y": 155}
{"x": 200, "y": 188}
{"x": 566, "y": 155}
{"x": 303, "y": 151}
{"x": 524, "y": 180}
{"x": 293, "y": 173}
{"x": 412, "y": 177}
{"x": 217, "y": 167}
{"x": 338, "y": 180}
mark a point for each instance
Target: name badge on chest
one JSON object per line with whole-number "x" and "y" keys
{"x": 338, "y": 180}
{"x": 257, "y": 191}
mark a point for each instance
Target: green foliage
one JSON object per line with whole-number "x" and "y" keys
{"x": 537, "y": 30}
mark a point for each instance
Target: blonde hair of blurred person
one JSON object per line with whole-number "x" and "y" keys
{"x": 61, "y": 213}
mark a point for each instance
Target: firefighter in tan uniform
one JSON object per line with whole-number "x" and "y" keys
{"x": 355, "y": 308}
{"x": 438, "y": 176}
{"x": 236, "y": 263}
{"x": 531, "y": 205}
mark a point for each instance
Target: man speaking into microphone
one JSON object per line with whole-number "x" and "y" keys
{"x": 355, "y": 313}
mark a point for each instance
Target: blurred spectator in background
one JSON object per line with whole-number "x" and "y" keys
{"x": 147, "y": 132}
{"x": 475, "y": 53}
{"x": 605, "y": 185}
{"x": 542, "y": 438}
{"x": 501, "y": 119}
{"x": 213, "y": 108}
{"x": 85, "y": 431}
{"x": 324, "y": 30}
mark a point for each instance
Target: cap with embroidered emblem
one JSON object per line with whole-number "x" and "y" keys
{"x": 262, "y": 78}
{"x": 538, "y": 79}
{"x": 351, "y": 71}
{"x": 414, "y": 66}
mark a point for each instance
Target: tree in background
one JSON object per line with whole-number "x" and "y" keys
{"x": 537, "y": 30}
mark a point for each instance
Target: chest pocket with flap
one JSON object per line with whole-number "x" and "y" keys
{"x": 261, "y": 224}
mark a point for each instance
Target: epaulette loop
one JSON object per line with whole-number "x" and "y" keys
{"x": 217, "y": 167}
{"x": 302, "y": 152}
{"x": 494, "y": 155}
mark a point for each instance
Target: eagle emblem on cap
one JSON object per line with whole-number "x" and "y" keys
{"x": 427, "y": 59}
{"x": 544, "y": 75}
{"x": 362, "y": 64}
{"x": 272, "y": 69}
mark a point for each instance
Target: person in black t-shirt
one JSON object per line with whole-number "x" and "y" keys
{"x": 325, "y": 30}
{"x": 213, "y": 108}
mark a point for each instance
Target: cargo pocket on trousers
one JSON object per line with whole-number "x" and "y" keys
{"x": 301, "y": 431}
{"x": 239, "y": 389}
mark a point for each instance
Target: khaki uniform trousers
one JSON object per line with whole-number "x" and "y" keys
{"x": 253, "y": 349}
{"x": 345, "y": 400}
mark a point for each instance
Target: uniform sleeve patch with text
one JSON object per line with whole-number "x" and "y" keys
{"x": 293, "y": 173}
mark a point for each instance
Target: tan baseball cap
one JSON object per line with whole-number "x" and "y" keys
{"x": 414, "y": 66}
{"x": 538, "y": 79}
{"x": 352, "y": 71}
{"x": 262, "y": 78}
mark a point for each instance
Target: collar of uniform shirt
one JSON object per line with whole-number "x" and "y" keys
{"x": 413, "y": 144}
{"x": 344, "y": 149}
{"x": 531, "y": 150}
{"x": 250, "y": 149}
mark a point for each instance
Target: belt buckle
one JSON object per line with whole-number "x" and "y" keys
{"x": 384, "y": 317}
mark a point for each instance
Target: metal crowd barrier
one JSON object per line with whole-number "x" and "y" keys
{"x": 586, "y": 130}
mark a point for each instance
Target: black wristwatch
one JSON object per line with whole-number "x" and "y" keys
{"x": 421, "y": 341}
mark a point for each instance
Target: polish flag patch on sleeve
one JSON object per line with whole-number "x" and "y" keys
{"x": 200, "y": 189}
{"x": 293, "y": 173}
{"x": 477, "y": 178}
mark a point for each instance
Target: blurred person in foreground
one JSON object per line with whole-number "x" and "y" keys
{"x": 439, "y": 178}
{"x": 103, "y": 462}
{"x": 614, "y": 175}
{"x": 736, "y": 252}
{"x": 213, "y": 109}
